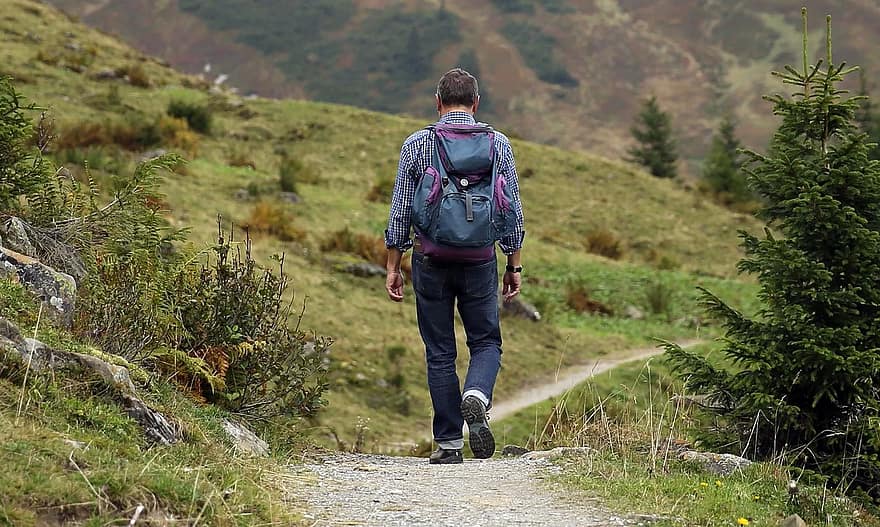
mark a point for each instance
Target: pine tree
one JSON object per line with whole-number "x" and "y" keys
{"x": 656, "y": 148}
{"x": 868, "y": 120}
{"x": 722, "y": 168}
{"x": 807, "y": 367}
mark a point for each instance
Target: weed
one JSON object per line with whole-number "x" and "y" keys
{"x": 604, "y": 243}
{"x": 275, "y": 220}
{"x": 578, "y": 299}
{"x": 198, "y": 117}
{"x": 660, "y": 298}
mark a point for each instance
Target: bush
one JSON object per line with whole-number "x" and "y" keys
{"x": 604, "y": 243}
{"x": 136, "y": 75}
{"x": 133, "y": 134}
{"x": 578, "y": 298}
{"x": 293, "y": 171}
{"x": 241, "y": 159}
{"x": 198, "y": 117}
{"x": 176, "y": 134}
{"x": 382, "y": 188}
{"x": 275, "y": 220}
{"x": 370, "y": 248}
{"x": 660, "y": 298}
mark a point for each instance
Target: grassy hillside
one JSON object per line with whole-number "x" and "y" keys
{"x": 107, "y": 99}
{"x": 566, "y": 72}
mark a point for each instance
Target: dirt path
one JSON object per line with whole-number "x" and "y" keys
{"x": 371, "y": 490}
{"x": 568, "y": 379}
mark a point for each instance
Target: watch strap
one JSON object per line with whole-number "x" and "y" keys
{"x": 512, "y": 269}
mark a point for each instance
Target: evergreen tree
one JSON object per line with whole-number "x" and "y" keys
{"x": 722, "y": 168}
{"x": 656, "y": 148}
{"x": 867, "y": 119}
{"x": 807, "y": 367}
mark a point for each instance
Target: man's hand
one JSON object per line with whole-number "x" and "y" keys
{"x": 394, "y": 285}
{"x": 512, "y": 285}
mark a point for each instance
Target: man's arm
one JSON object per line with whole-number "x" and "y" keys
{"x": 511, "y": 245}
{"x": 397, "y": 235}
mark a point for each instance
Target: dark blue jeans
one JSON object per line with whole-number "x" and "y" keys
{"x": 475, "y": 286}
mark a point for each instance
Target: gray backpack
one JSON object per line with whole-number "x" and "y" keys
{"x": 462, "y": 206}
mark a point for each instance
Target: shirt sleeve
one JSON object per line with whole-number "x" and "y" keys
{"x": 397, "y": 235}
{"x": 514, "y": 241}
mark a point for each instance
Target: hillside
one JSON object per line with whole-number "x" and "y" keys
{"x": 562, "y": 72}
{"x": 670, "y": 238}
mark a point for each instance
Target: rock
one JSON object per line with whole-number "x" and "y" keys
{"x": 365, "y": 269}
{"x": 519, "y": 308}
{"x": 151, "y": 154}
{"x": 245, "y": 441}
{"x": 633, "y": 313}
{"x": 718, "y": 464}
{"x": 157, "y": 428}
{"x": 289, "y": 197}
{"x": 56, "y": 290}
{"x": 793, "y": 521}
{"x": 514, "y": 451}
{"x": 16, "y": 238}
{"x": 106, "y": 74}
{"x": 559, "y": 452}
{"x": 242, "y": 195}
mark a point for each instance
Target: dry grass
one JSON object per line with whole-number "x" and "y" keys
{"x": 274, "y": 219}
{"x": 578, "y": 299}
{"x": 604, "y": 243}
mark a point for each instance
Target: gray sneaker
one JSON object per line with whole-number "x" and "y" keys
{"x": 481, "y": 440}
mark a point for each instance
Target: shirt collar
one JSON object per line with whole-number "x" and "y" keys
{"x": 458, "y": 117}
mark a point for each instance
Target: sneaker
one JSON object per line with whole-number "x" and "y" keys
{"x": 481, "y": 439}
{"x": 445, "y": 457}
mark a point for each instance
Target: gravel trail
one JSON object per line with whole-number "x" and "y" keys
{"x": 371, "y": 490}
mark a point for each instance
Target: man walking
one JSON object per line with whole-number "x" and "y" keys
{"x": 443, "y": 276}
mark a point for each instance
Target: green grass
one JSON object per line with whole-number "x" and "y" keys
{"x": 71, "y": 455}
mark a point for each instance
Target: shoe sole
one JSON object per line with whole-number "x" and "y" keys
{"x": 449, "y": 461}
{"x": 481, "y": 440}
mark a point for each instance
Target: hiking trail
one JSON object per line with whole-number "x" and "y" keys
{"x": 375, "y": 490}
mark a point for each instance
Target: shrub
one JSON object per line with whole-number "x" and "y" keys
{"x": 240, "y": 159}
{"x": 197, "y": 116}
{"x": 604, "y": 243}
{"x": 133, "y": 134}
{"x": 136, "y": 75}
{"x": 382, "y": 188}
{"x": 275, "y": 220}
{"x": 370, "y": 248}
{"x": 293, "y": 171}
{"x": 578, "y": 298}
{"x": 176, "y": 134}
{"x": 660, "y": 297}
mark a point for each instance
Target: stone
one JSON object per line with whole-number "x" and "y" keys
{"x": 513, "y": 451}
{"x": 633, "y": 313}
{"x": 365, "y": 269}
{"x": 242, "y": 195}
{"x": 793, "y": 521}
{"x": 559, "y": 452}
{"x": 245, "y": 441}
{"x": 519, "y": 308}
{"x": 106, "y": 74}
{"x": 718, "y": 464}
{"x": 38, "y": 356}
{"x": 289, "y": 197}
{"x": 16, "y": 238}
{"x": 55, "y": 289}
{"x": 151, "y": 154}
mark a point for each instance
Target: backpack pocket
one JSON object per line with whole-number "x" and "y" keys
{"x": 465, "y": 220}
{"x": 427, "y": 194}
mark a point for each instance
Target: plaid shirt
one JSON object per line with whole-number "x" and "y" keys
{"x": 415, "y": 157}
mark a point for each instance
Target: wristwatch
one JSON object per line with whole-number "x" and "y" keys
{"x": 512, "y": 269}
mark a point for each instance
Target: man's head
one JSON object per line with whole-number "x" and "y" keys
{"x": 457, "y": 90}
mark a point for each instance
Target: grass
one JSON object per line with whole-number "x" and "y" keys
{"x": 629, "y": 417}
{"x": 348, "y": 151}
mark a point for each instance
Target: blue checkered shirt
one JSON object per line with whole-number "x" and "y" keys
{"x": 415, "y": 157}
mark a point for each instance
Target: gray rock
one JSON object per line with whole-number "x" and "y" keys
{"x": 559, "y": 452}
{"x": 718, "y": 464}
{"x": 106, "y": 74}
{"x": 634, "y": 313}
{"x": 793, "y": 521}
{"x": 151, "y": 154}
{"x": 56, "y": 290}
{"x": 289, "y": 197}
{"x": 16, "y": 238}
{"x": 365, "y": 269}
{"x": 242, "y": 195}
{"x": 519, "y": 308}
{"x": 245, "y": 441}
{"x": 514, "y": 451}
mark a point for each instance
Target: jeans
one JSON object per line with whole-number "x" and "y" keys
{"x": 475, "y": 286}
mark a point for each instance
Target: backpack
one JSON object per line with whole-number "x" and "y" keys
{"x": 462, "y": 206}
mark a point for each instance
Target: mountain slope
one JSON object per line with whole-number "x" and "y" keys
{"x": 671, "y": 238}
{"x": 565, "y": 72}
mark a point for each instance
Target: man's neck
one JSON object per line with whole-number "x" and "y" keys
{"x": 463, "y": 109}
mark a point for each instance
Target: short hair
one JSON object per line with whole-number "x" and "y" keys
{"x": 458, "y": 88}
